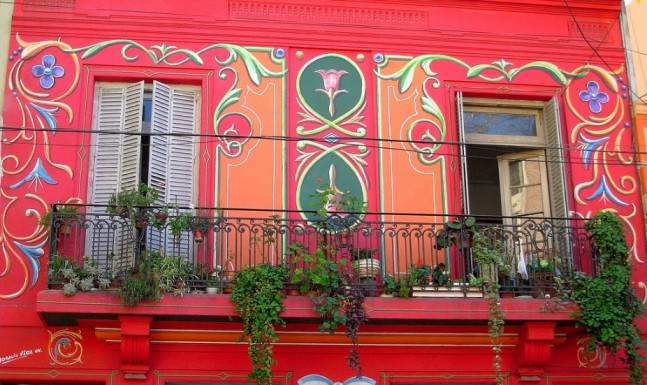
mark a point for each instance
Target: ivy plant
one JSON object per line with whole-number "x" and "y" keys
{"x": 257, "y": 297}
{"x": 485, "y": 253}
{"x": 608, "y": 305}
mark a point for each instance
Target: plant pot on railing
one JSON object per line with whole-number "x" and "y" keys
{"x": 198, "y": 237}
{"x": 489, "y": 273}
{"x": 66, "y": 228}
{"x": 368, "y": 268}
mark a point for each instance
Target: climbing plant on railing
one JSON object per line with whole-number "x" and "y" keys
{"x": 608, "y": 305}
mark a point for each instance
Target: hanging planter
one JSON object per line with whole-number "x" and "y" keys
{"x": 198, "y": 237}
{"x": 344, "y": 236}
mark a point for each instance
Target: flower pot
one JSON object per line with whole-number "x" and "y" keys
{"x": 293, "y": 292}
{"x": 197, "y": 236}
{"x": 65, "y": 229}
{"x": 114, "y": 284}
{"x": 56, "y": 286}
{"x": 344, "y": 236}
{"x": 161, "y": 217}
{"x": 213, "y": 290}
{"x": 489, "y": 273}
{"x": 368, "y": 268}
{"x": 368, "y": 286}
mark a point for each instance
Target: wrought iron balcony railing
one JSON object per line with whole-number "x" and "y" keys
{"x": 213, "y": 248}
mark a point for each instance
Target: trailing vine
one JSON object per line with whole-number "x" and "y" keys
{"x": 355, "y": 316}
{"x": 608, "y": 305}
{"x": 495, "y": 327}
{"x": 491, "y": 253}
{"x": 257, "y": 297}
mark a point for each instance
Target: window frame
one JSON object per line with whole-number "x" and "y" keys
{"x": 508, "y": 107}
{"x": 505, "y": 186}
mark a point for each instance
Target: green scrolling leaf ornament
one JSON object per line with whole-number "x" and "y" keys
{"x": 405, "y": 75}
{"x": 428, "y": 143}
{"x": 173, "y": 56}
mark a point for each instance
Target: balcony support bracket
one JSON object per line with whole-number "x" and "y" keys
{"x": 533, "y": 349}
{"x": 135, "y": 345}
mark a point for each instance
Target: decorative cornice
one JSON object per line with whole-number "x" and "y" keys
{"x": 364, "y": 16}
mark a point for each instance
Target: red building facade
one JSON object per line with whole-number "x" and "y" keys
{"x": 493, "y": 108}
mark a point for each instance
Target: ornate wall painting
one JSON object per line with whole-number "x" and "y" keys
{"x": 44, "y": 91}
{"x": 250, "y": 117}
{"x": 598, "y": 142}
{"x": 413, "y": 178}
{"x": 37, "y": 166}
{"x": 331, "y": 121}
{"x": 317, "y": 379}
{"x": 65, "y": 347}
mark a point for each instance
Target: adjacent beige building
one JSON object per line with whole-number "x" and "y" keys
{"x": 636, "y": 43}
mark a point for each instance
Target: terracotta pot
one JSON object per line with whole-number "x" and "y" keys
{"x": 56, "y": 286}
{"x": 343, "y": 237}
{"x": 140, "y": 224}
{"x": 229, "y": 287}
{"x": 197, "y": 236}
{"x": 65, "y": 229}
{"x": 161, "y": 217}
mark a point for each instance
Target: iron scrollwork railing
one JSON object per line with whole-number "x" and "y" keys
{"x": 539, "y": 248}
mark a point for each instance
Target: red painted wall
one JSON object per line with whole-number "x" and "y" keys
{"x": 403, "y": 51}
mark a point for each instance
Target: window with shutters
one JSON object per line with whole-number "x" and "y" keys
{"x": 512, "y": 162}
{"x": 143, "y": 132}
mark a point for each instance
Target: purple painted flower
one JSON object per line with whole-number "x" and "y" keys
{"x": 47, "y": 72}
{"x": 593, "y": 95}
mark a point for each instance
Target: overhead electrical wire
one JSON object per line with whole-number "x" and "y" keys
{"x": 595, "y": 51}
{"x": 218, "y": 139}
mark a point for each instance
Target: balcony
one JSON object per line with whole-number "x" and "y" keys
{"x": 211, "y": 249}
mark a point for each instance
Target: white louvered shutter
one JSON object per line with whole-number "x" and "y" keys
{"x": 556, "y": 167}
{"x": 555, "y": 159}
{"x": 463, "y": 153}
{"x": 116, "y": 165}
{"x": 172, "y": 156}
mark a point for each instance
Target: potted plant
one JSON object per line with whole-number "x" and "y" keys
{"x": 456, "y": 232}
{"x": 200, "y": 225}
{"x": 390, "y": 286}
{"x": 179, "y": 224}
{"x": 55, "y": 266}
{"x": 491, "y": 255}
{"x": 366, "y": 268}
{"x": 541, "y": 273}
{"x": 142, "y": 282}
{"x": 186, "y": 276}
{"x": 365, "y": 265}
{"x": 441, "y": 276}
{"x": 65, "y": 215}
{"x": 419, "y": 273}
{"x": 337, "y": 210}
{"x": 167, "y": 271}
{"x": 128, "y": 203}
